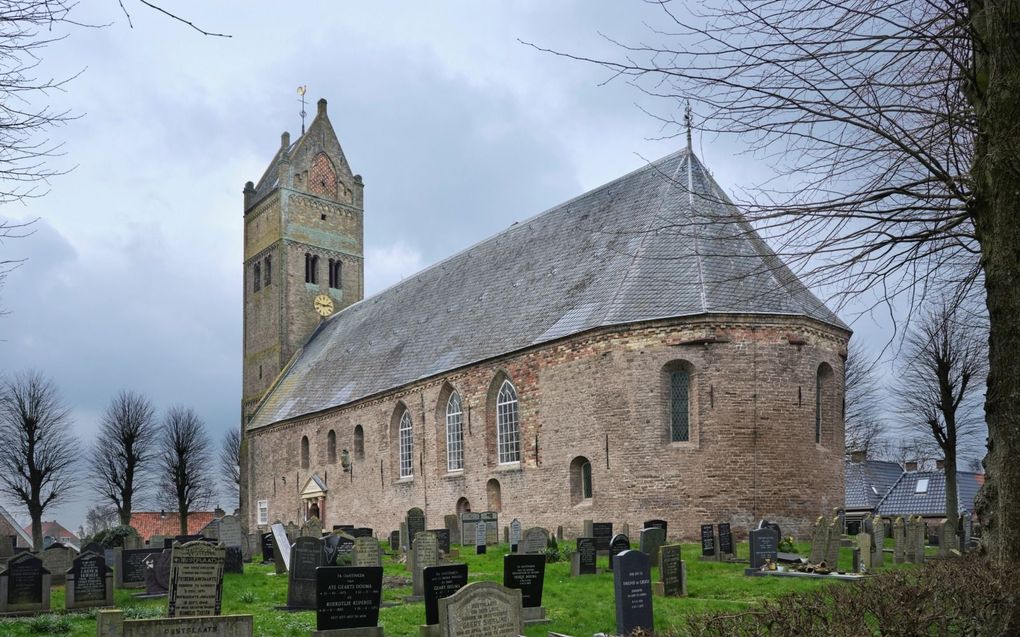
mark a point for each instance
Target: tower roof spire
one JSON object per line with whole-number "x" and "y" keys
{"x": 687, "y": 122}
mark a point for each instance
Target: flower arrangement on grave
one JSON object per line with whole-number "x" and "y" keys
{"x": 787, "y": 546}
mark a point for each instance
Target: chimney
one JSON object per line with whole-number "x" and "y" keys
{"x": 285, "y": 140}
{"x": 162, "y": 515}
{"x": 322, "y": 108}
{"x": 219, "y": 513}
{"x": 940, "y": 464}
{"x": 910, "y": 466}
{"x": 858, "y": 457}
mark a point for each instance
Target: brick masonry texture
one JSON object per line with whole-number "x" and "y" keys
{"x": 602, "y": 395}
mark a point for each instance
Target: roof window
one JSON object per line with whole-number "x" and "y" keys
{"x": 922, "y": 485}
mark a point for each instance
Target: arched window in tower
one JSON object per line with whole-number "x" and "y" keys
{"x": 308, "y": 268}
{"x": 322, "y": 176}
{"x": 823, "y": 401}
{"x": 454, "y": 434}
{"x": 359, "y": 443}
{"x": 304, "y": 452}
{"x": 406, "y": 436}
{"x": 315, "y": 269}
{"x": 335, "y": 270}
{"x": 331, "y": 447}
{"x": 268, "y": 270}
{"x": 677, "y": 378}
{"x": 257, "y": 277}
{"x": 580, "y": 480}
{"x": 508, "y": 425}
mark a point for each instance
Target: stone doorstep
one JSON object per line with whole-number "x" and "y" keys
{"x": 371, "y": 631}
{"x": 534, "y": 615}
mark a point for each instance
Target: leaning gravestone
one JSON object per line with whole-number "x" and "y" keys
{"x": 452, "y": 524}
{"x": 481, "y": 609}
{"x": 196, "y": 580}
{"x": 602, "y": 532}
{"x": 366, "y": 552}
{"x": 57, "y": 559}
{"x": 480, "y": 537}
{"x": 157, "y": 574}
{"x": 708, "y": 541}
{"x": 305, "y": 557}
{"x": 632, "y": 583}
{"x": 415, "y": 524}
{"x": 651, "y": 539}
{"x": 725, "y": 540}
{"x": 311, "y": 528}
{"x": 672, "y": 572}
{"x": 24, "y": 586}
{"x": 441, "y": 582}
{"x": 349, "y": 597}
{"x": 281, "y": 549}
{"x": 527, "y": 574}
{"x": 267, "y": 547}
{"x": 764, "y": 546}
{"x": 89, "y": 583}
{"x": 582, "y": 561}
{"x": 899, "y": 541}
{"x": 534, "y": 541}
{"x": 515, "y": 534}
{"x": 619, "y": 544}
{"x": 426, "y": 553}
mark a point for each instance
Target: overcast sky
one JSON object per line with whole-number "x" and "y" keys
{"x": 133, "y": 278}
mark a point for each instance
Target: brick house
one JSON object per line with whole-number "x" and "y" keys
{"x": 167, "y": 523}
{"x": 637, "y": 352}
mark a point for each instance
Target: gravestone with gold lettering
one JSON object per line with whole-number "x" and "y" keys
{"x": 196, "y": 579}
{"x": 89, "y": 582}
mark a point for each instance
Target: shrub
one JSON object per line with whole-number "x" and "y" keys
{"x": 112, "y": 537}
{"x": 49, "y": 625}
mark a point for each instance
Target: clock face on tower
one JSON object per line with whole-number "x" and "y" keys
{"x": 323, "y": 305}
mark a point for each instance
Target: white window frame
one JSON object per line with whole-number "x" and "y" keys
{"x": 454, "y": 433}
{"x": 263, "y": 511}
{"x": 921, "y": 486}
{"x": 406, "y": 438}
{"x": 508, "y": 425}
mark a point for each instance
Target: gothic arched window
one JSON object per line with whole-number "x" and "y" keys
{"x": 508, "y": 425}
{"x": 406, "y": 435}
{"x": 823, "y": 401}
{"x": 304, "y": 452}
{"x": 359, "y": 442}
{"x": 580, "y": 480}
{"x": 331, "y": 447}
{"x": 454, "y": 434}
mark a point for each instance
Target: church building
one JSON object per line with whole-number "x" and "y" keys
{"x": 635, "y": 353}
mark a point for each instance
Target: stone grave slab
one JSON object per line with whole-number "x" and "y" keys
{"x": 129, "y": 567}
{"x": 24, "y": 586}
{"x": 361, "y": 531}
{"x": 650, "y": 540}
{"x": 602, "y": 532}
{"x": 515, "y": 534}
{"x": 527, "y": 574}
{"x": 583, "y": 560}
{"x": 534, "y": 541}
{"x": 443, "y": 537}
{"x": 632, "y": 585}
{"x": 657, "y": 524}
{"x": 111, "y": 623}
{"x": 672, "y": 572}
{"x": 230, "y": 532}
{"x": 233, "y": 560}
{"x": 394, "y": 541}
{"x": 491, "y": 520}
{"x": 266, "y": 540}
{"x": 211, "y": 530}
{"x": 305, "y": 557}
{"x": 337, "y": 550}
{"x": 726, "y": 540}
{"x": 281, "y": 548}
{"x": 832, "y": 546}
{"x": 196, "y": 580}
{"x": 426, "y": 553}
{"x": 819, "y": 540}
{"x": 311, "y": 528}
{"x": 480, "y": 538}
{"x": 899, "y": 541}
{"x": 468, "y": 521}
{"x": 481, "y": 608}
{"x": 89, "y": 582}
{"x": 348, "y": 597}
{"x": 415, "y": 523}
{"x": 441, "y": 582}
{"x": 366, "y": 552}
{"x": 157, "y": 574}
{"x": 764, "y": 546}
{"x": 708, "y": 547}
{"x": 57, "y": 559}
{"x": 452, "y": 524}
{"x": 617, "y": 545}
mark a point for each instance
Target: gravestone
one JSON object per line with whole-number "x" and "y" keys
{"x": 336, "y": 550}
{"x": 348, "y": 597}
{"x": 311, "y": 528}
{"x": 267, "y": 547}
{"x": 916, "y": 527}
{"x": 878, "y": 542}
{"x": 765, "y": 524}
{"x": 586, "y": 530}
{"x": 233, "y": 560}
{"x": 441, "y": 582}
{"x": 415, "y": 524}
{"x": 343, "y": 528}
{"x": 111, "y": 623}
{"x": 899, "y": 534}
{"x": 443, "y": 538}
{"x": 184, "y": 539}
{"x": 394, "y": 541}
{"x": 764, "y": 546}
{"x": 819, "y": 540}
{"x": 405, "y": 543}
{"x": 582, "y": 561}
{"x": 864, "y": 546}
{"x": 305, "y": 557}
{"x": 491, "y": 520}
{"x": 708, "y": 541}
{"x": 129, "y": 566}
{"x": 832, "y": 552}
{"x": 361, "y": 531}
{"x": 725, "y": 540}
{"x": 366, "y": 552}
{"x": 211, "y": 530}
{"x": 559, "y": 533}
{"x": 947, "y": 539}
{"x": 481, "y": 609}
{"x": 603, "y": 534}
{"x": 93, "y": 547}
{"x": 657, "y": 524}
{"x": 468, "y": 521}
{"x": 57, "y": 559}
{"x": 452, "y": 524}
{"x": 632, "y": 584}
{"x": 24, "y": 586}
{"x": 527, "y": 574}
{"x": 965, "y": 531}
{"x": 293, "y": 532}
{"x": 157, "y": 542}
{"x": 672, "y": 572}
{"x": 534, "y": 541}
{"x": 515, "y": 534}
{"x": 157, "y": 573}
{"x": 7, "y": 543}
{"x": 89, "y": 582}
{"x": 650, "y": 540}
{"x": 196, "y": 580}
{"x": 281, "y": 548}
{"x": 426, "y": 554}
{"x": 480, "y": 538}
{"x": 617, "y": 545}
{"x": 230, "y": 532}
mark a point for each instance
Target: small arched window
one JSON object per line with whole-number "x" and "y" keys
{"x": 463, "y": 506}
{"x": 508, "y": 425}
{"x": 257, "y": 276}
{"x": 315, "y": 269}
{"x": 268, "y": 270}
{"x": 823, "y": 400}
{"x": 677, "y": 376}
{"x": 580, "y": 480}
{"x": 334, "y": 273}
{"x": 304, "y": 452}
{"x": 406, "y": 435}
{"x": 494, "y": 494}
{"x": 454, "y": 434}
{"x": 331, "y": 446}
{"x": 359, "y": 443}
{"x": 308, "y": 268}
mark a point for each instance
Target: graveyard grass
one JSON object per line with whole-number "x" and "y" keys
{"x": 576, "y": 605}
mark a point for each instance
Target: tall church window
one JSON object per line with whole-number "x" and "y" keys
{"x": 267, "y": 270}
{"x": 311, "y": 268}
{"x": 508, "y": 425}
{"x": 454, "y": 434}
{"x": 823, "y": 400}
{"x": 257, "y": 276}
{"x": 406, "y": 436}
{"x": 331, "y": 447}
{"x": 304, "y": 452}
{"x": 580, "y": 480}
{"x": 359, "y": 442}
{"x": 335, "y": 270}
{"x": 679, "y": 401}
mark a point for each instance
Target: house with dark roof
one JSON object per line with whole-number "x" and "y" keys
{"x": 924, "y": 493}
{"x": 637, "y": 352}
{"x": 867, "y": 482}
{"x": 53, "y": 531}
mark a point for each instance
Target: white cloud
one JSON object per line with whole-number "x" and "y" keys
{"x": 389, "y": 264}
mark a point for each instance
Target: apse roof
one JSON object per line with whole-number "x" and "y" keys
{"x": 639, "y": 248}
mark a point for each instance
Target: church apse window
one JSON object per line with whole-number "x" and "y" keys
{"x": 335, "y": 270}
{"x": 406, "y": 437}
{"x": 359, "y": 443}
{"x": 823, "y": 401}
{"x": 508, "y": 425}
{"x": 677, "y": 376}
{"x": 454, "y": 434}
{"x": 257, "y": 277}
{"x": 304, "y": 452}
{"x": 331, "y": 447}
{"x": 580, "y": 480}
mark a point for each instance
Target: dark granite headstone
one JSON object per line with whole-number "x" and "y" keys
{"x": 765, "y": 524}
{"x": 656, "y": 524}
{"x": 415, "y": 523}
{"x": 348, "y": 596}
{"x": 671, "y": 571}
{"x": 602, "y": 532}
{"x": 526, "y": 573}
{"x": 632, "y": 583}
{"x": 480, "y": 537}
{"x": 443, "y": 538}
{"x": 361, "y": 531}
{"x": 157, "y": 573}
{"x": 617, "y": 545}
{"x": 707, "y": 540}
{"x": 184, "y": 539}
{"x": 336, "y": 550}
{"x": 440, "y": 582}
{"x": 764, "y": 546}
{"x": 650, "y": 540}
{"x": 586, "y": 556}
{"x": 25, "y": 581}
{"x": 395, "y": 541}
{"x": 725, "y": 539}
{"x": 132, "y": 566}
{"x": 234, "y": 561}
{"x": 305, "y": 557}
{"x": 88, "y": 582}
{"x": 93, "y": 547}
{"x": 267, "y": 547}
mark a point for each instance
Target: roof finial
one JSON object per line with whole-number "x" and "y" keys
{"x": 301, "y": 91}
{"x": 687, "y": 121}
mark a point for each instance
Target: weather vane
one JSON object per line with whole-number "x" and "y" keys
{"x": 687, "y": 121}
{"x": 301, "y": 91}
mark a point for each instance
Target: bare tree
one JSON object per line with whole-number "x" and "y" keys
{"x": 184, "y": 482}
{"x": 944, "y": 365}
{"x": 864, "y": 427}
{"x": 122, "y": 452}
{"x": 230, "y": 462}
{"x": 37, "y": 450}
{"x": 99, "y": 518}
{"x": 891, "y": 127}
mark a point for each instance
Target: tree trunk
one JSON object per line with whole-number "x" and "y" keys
{"x": 996, "y": 174}
{"x": 952, "y": 494}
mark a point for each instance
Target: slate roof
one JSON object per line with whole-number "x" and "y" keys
{"x": 642, "y": 247}
{"x": 149, "y": 523}
{"x": 867, "y": 482}
{"x": 903, "y": 499}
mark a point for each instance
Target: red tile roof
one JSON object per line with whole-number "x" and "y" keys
{"x": 55, "y": 530}
{"x": 149, "y": 523}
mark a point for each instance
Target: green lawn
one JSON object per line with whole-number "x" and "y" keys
{"x": 576, "y": 605}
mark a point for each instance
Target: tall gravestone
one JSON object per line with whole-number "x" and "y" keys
{"x": 415, "y": 524}
{"x": 468, "y": 521}
{"x": 527, "y": 574}
{"x": 832, "y": 552}
{"x": 440, "y": 583}
{"x": 348, "y": 599}
{"x": 672, "y": 572}
{"x": 366, "y": 552}
{"x": 267, "y": 547}
{"x": 899, "y": 541}
{"x": 617, "y": 545}
{"x": 632, "y": 584}
{"x": 57, "y": 559}
{"x": 491, "y": 520}
{"x": 452, "y": 524}
{"x": 89, "y": 582}
{"x": 515, "y": 534}
{"x": 230, "y": 532}
{"x": 305, "y": 557}
{"x": 602, "y": 532}
{"x": 916, "y": 528}
{"x": 651, "y": 539}
{"x": 819, "y": 540}
{"x": 534, "y": 541}
{"x": 481, "y": 608}
{"x": 129, "y": 566}
{"x": 878, "y": 542}
{"x": 480, "y": 538}
{"x": 426, "y": 553}
{"x": 866, "y": 554}
{"x": 443, "y": 538}
{"x": 24, "y": 586}
{"x": 281, "y": 548}
{"x": 764, "y": 546}
{"x": 583, "y": 560}
{"x": 311, "y": 528}
{"x": 196, "y": 580}
{"x": 947, "y": 539}
{"x": 657, "y": 524}
{"x": 157, "y": 573}
{"x": 726, "y": 541}
{"x": 708, "y": 547}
